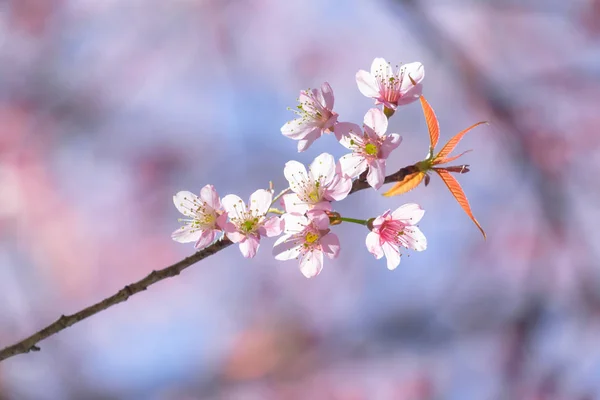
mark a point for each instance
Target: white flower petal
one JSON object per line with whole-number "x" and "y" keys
{"x": 414, "y": 70}
{"x": 186, "y": 202}
{"x": 409, "y": 213}
{"x": 287, "y": 247}
{"x": 294, "y": 223}
{"x": 380, "y": 67}
{"x": 413, "y": 238}
{"x": 234, "y": 206}
{"x": 296, "y": 175}
{"x": 187, "y": 233}
{"x": 342, "y": 130}
{"x": 327, "y": 92}
{"x": 376, "y": 174}
{"x": 260, "y": 201}
{"x": 206, "y": 238}
{"x": 376, "y": 120}
{"x": 322, "y": 169}
{"x": 330, "y": 244}
{"x": 208, "y": 194}
{"x": 311, "y": 263}
{"x": 293, "y": 204}
{"x": 373, "y": 243}
{"x": 367, "y": 84}
{"x": 249, "y": 246}
{"x": 353, "y": 164}
{"x": 297, "y": 129}
{"x": 392, "y": 254}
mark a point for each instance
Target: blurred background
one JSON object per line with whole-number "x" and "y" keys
{"x": 109, "y": 107}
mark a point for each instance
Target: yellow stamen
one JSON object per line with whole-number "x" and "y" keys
{"x": 371, "y": 149}
{"x": 311, "y": 237}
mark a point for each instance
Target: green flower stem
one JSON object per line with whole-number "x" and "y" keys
{"x": 353, "y": 220}
{"x": 276, "y": 211}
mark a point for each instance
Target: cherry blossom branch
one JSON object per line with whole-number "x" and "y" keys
{"x": 30, "y": 343}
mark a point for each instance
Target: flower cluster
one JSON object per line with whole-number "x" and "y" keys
{"x": 307, "y": 216}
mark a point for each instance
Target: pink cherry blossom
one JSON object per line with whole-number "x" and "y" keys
{"x": 316, "y": 188}
{"x": 205, "y": 217}
{"x": 307, "y": 238}
{"x": 369, "y": 149}
{"x": 394, "y": 229}
{"x": 391, "y": 88}
{"x": 248, "y": 223}
{"x": 315, "y": 117}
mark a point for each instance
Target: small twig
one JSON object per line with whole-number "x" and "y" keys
{"x": 30, "y": 343}
{"x": 284, "y": 191}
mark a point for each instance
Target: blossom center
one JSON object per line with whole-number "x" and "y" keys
{"x": 391, "y": 230}
{"x": 249, "y": 225}
{"x": 371, "y": 149}
{"x": 209, "y": 219}
{"x": 311, "y": 237}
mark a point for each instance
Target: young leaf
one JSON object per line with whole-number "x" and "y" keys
{"x": 448, "y": 147}
{"x": 432, "y": 122}
{"x": 445, "y": 160}
{"x": 459, "y": 195}
{"x": 409, "y": 182}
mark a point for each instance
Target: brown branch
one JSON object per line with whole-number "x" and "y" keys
{"x": 65, "y": 321}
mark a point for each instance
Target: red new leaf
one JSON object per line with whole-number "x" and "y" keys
{"x": 459, "y": 195}
{"x": 432, "y": 122}
{"x": 409, "y": 182}
{"x": 447, "y": 149}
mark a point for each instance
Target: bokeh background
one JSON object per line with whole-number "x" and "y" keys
{"x": 109, "y": 107}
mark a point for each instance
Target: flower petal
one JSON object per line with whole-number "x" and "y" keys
{"x": 293, "y": 204}
{"x": 414, "y": 70}
{"x": 409, "y": 213}
{"x": 380, "y": 67}
{"x": 392, "y": 254}
{"x": 373, "y": 243}
{"x": 345, "y": 129}
{"x": 311, "y": 263}
{"x": 353, "y": 164}
{"x": 330, "y": 244}
{"x": 187, "y": 233}
{"x": 287, "y": 247}
{"x": 296, "y": 175}
{"x": 319, "y": 218}
{"x": 390, "y": 143}
{"x": 273, "y": 226}
{"x": 309, "y": 139}
{"x": 208, "y": 194}
{"x": 322, "y": 169}
{"x": 234, "y": 206}
{"x": 221, "y": 221}
{"x": 249, "y": 246}
{"x": 413, "y": 238}
{"x": 260, "y": 201}
{"x": 367, "y": 84}
{"x": 376, "y": 120}
{"x": 411, "y": 95}
{"x": 380, "y": 220}
{"x": 297, "y": 129}
{"x": 327, "y": 95}
{"x": 232, "y": 233}
{"x": 339, "y": 188}
{"x": 376, "y": 174}
{"x": 206, "y": 238}
{"x": 294, "y": 223}
{"x": 186, "y": 203}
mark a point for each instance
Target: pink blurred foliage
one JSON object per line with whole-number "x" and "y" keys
{"x": 106, "y": 111}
